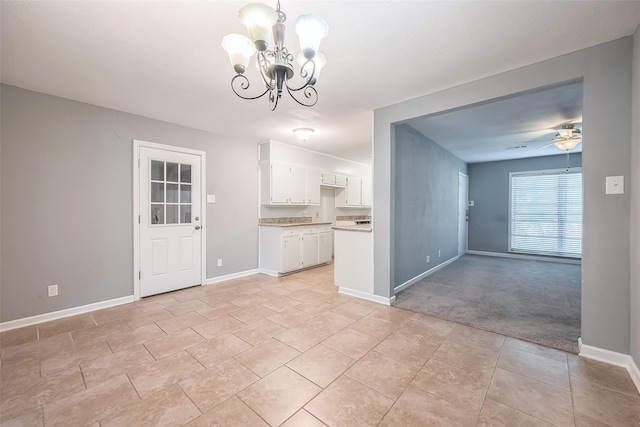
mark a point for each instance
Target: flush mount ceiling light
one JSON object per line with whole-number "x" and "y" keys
{"x": 304, "y": 133}
{"x": 266, "y": 27}
{"x": 567, "y": 138}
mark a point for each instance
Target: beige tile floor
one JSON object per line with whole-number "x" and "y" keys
{"x": 292, "y": 351}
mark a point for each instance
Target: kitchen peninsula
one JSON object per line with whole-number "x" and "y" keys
{"x": 353, "y": 257}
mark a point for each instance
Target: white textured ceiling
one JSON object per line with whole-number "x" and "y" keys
{"x": 164, "y": 59}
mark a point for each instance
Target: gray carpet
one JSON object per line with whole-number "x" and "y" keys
{"x": 536, "y": 301}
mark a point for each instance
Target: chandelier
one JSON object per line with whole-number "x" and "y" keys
{"x": 567, "y": 138}
{"x": 266, "y": 27}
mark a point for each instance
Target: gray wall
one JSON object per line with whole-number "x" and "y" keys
{"x": 606, "y": 74}
{"x": 66, "y": 200}
{"x": 489, "y": 189}
{"x": 635, "y": 205}
{"x": 426, "y": 210}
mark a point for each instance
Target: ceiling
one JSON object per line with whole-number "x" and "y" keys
{"x": 164, "y": 60}
{"x": 515, "y": 127}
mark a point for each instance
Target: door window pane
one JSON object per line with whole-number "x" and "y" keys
{"x": 185, "y": 214}
{"x": 172, "y": 172}
{"x": 169, "y": 200}
{"x": 157, "y": 214}
{"x": 172, "y": 214}
{"x": 157, "y": 192}
{"x": 157, "y": 170}
{"x": 185, "y": 193}
{"x": 185, "y": 173}
{"x": 172, "y": 194}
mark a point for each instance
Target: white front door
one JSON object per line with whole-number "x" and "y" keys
{"x": 170, "y": 220}
{"x": 463, "y": 213}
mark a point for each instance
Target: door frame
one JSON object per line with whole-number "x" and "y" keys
{"x": 461, "y": 177}
{"x": 137, "y": 145}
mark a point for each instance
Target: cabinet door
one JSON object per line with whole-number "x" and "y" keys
{"x": 328, "y": 178}
{"x": 354, "y": 191}
{"x": 298, "y": 185}
{"x": 313, "y": 187}
{"x": 341, "y": 180}
{"x": 279, "y": 183}
{"x": 367, "y": 199}
{"x": 309, "y": 249}
{"x": 290, "y": 253}
{"x": 325, "y": 246}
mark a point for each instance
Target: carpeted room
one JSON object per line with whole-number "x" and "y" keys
{"x": 536, "y": 298}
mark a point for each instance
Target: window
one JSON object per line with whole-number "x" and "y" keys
{"x": 545, "y": 215}
{"x": 170, "y": 193}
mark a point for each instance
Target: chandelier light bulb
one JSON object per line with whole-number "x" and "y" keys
{"x": 259, "y": 20}
{"x": 311, "y": 30}
{"x": 240, "y": 50}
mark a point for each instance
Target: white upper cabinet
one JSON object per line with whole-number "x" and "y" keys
{"x": 278, "y": 183}
{"x": 283, "y": 184}
{"x": 330, "y": 179}
{"x": 298, "y": 185}
{"x": 354, "y": 192}
{"x": 367, "y": 198}
{"x": 357, "y": 193}
{"x": 313, "y": 187}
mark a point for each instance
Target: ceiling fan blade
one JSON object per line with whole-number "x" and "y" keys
{"x": 545, "y": 146}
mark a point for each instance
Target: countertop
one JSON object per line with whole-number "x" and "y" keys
{"x": 366, "y": 228}
{"x": 295, "y": 224}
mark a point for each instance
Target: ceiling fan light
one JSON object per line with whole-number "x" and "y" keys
{"x": 240, "y": 49}
{"x": 304, "y": 133}
{"x": 311, "y": 29}
{"x": 259, "y": 20}
{"x": 567, "y": 143}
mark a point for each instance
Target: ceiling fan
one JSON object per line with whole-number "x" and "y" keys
{"x": 566, "y": 138}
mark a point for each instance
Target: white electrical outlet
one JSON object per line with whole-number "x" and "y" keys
{"x": 52, "y": 290}
{"x": 438, "y": 253}
{"x": 219, "y": 262}
{"x": 428, "y": 259}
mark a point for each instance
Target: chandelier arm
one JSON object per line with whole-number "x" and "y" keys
{"x": 305, "y": 75}
{"x": 273, "y": 100}
{"x": 263, "y": 67}
{"x": 244, "y": 85}
{"x": 309, "y": 93}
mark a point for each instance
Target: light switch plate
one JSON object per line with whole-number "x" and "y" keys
{"x": 211, "y": 198}
{"x": 614, "y": 185}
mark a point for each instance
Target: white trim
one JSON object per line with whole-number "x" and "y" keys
{"x": 634, "y": 372}
{"x": 366, "y": 296}
{"x": 219, "y": 279}
{"x": 419, "y": 277}
{"x": 55, "y": 315}
{"x": 525, "y": 256}
{"x": 137, "y": 144}
{"x": 611, "y": 358}
{"x": 268, "y": 272}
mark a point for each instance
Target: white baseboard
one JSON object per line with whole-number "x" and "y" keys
{"x": 634, "y": 372}
{"x": 421, "y": 276}
{"x": 55, "y": 315}
{"x": 525, "y": 256}
{"x": 245, "y": 273}
{"x": 366, "y": 296}
{"x": 269, "y": 272}
{"x": 612, "y": 358}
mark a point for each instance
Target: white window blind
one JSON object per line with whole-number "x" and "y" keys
{"x": 546, "y": 212}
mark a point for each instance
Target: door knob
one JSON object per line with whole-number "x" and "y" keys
{"x": 197, "y": 227}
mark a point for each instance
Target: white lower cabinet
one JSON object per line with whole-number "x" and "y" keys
{"x": 287, "y": 249}
{"x": 290, "y": 253}
{"x": 309, "y": 248}
{"x": 325, "y": 245}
